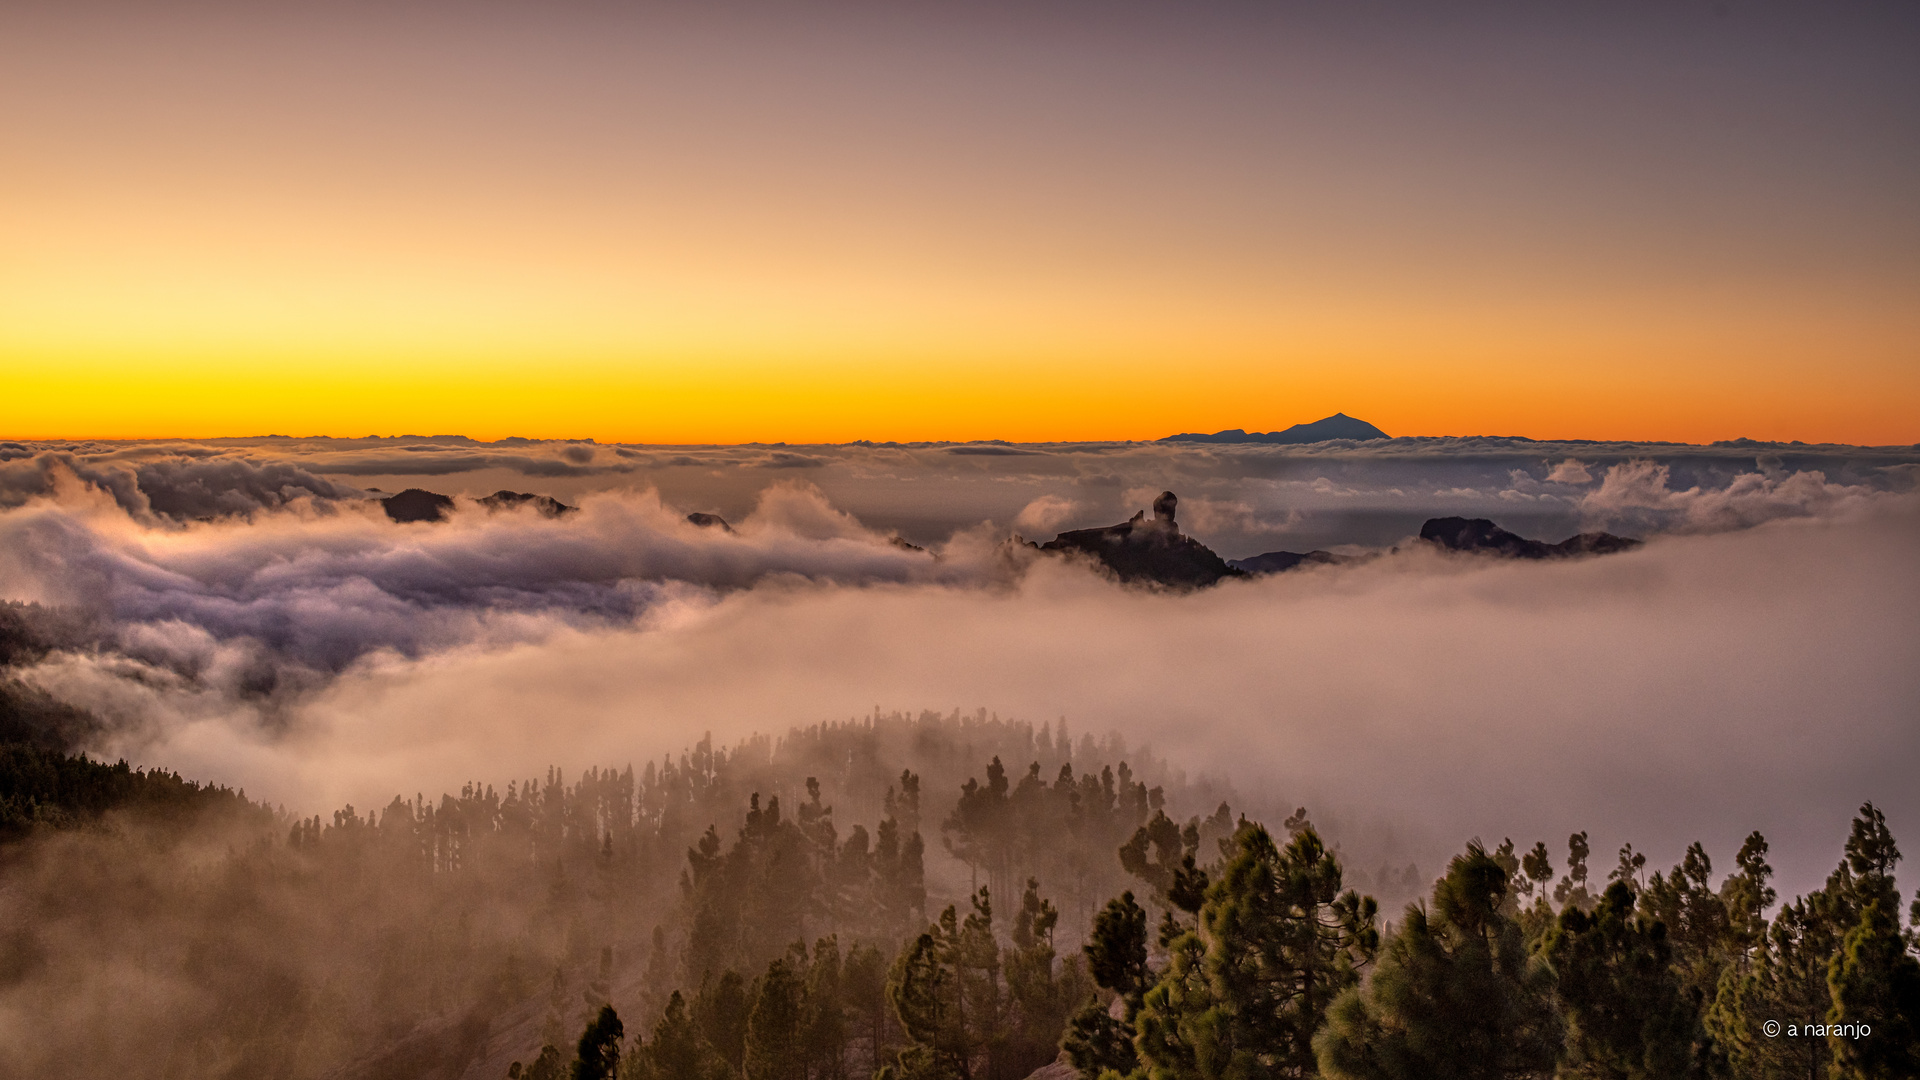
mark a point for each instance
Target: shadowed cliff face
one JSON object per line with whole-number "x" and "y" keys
{"x": 1148, "y": 549}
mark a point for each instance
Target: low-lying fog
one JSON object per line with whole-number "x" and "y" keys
{"x": 258, "y": 622}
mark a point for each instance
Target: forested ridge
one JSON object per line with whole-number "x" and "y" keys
{"x": 941, "y": 896}
{"x": 42, "y": 787}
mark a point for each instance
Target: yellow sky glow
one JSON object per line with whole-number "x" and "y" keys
{"x": 897, "y": 237}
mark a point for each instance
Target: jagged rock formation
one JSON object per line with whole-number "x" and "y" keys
{"x": 1481, "y": 535}
{"x": 415, "y": 504}
{"x": 1148, "y": 549}
{"x": 1276, "y": 562}
{"x": 546, "y": 504}
{"x": 709, "y": 521}
{"x": 1337, "y": 426}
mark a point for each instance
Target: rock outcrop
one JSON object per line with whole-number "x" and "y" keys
{"x": 415, "y": 504}
{"x": 1147, "y": 549}
{"x": 546, "y": 504}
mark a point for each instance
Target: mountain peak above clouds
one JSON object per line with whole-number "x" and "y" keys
{"x": 415, "y": 504}
{"x": 547, "y": 505}
{"x": 1337, "y": 426}
{"x": 1144, "y": 549}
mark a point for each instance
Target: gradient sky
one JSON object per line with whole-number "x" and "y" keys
{"x": 913, "y": 221}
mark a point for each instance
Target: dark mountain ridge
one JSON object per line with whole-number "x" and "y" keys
{"x": 1483, "y": 536}
{"x": 1276, "y": 562}
{"x": 1337, "y": 426}
{"x": 1476, "y": 535}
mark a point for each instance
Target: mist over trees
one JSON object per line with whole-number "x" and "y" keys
{"x": 942, "y": 897}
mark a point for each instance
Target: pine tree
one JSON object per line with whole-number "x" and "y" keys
{"x": 1572, "y": 889}
{"x": 824, "y": 1024}
{"x": 983, "y": 1002}
{"x": 1509, "y": 863}
{"x": 1536, "y": 917}
{"x": 1747, "y": 896}
{"x": 1455, "y": 994}
{"x": 1787, "y": 983}
{"x": 899, "y": 878}
{"x": 677, "y": 1050}
{"x": 775, "y": 1049}
{"x": 598, "y": 1057}
{"x": 1039, "y": 998}
{"x": 1278, "y": 940}
{"x": 1731, "y": 1035}
{"x": 1116, "y": 952}
{"x": 1153, "y": 854}
{"x": 1875, "y": 982}
{"x": 863, "y": 984}
{"x": 721, "y": 1011}
{"x": 1536, "y": 869}
{"x": 1626, "y": 1017}
{"x": 1698, "y": 931}
{"x": 1873, "y": 978}
{"x": 550, "y": 1065}
{"x": 924, "y": 990}
{"x": 979, "y": 832}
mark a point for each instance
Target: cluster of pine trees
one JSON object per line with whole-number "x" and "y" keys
{"x": 1261, "y": 963}
{"x": 779, "y": 911}
{"x": 427, "y": 937}
{"x": 1264, "y": 966}
{"x": 45, "y": 788}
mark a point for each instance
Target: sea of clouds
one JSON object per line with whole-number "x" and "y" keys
{"x": 256, "y": 619}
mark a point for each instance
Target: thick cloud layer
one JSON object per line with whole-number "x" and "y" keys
{"x": 1751, "y": 667}
{"x": 1240, "y": 499}
{"x": 320, "y": 589}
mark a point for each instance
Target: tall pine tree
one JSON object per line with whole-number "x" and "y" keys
{"x": 1456, "y": 995}
{"x": 1626, "y": 1016}
{"x": 1278, "y": 940}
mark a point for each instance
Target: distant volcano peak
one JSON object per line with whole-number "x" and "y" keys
{"x": 1337, "y": 426}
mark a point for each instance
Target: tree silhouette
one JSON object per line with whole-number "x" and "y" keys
{"x": 598, "y": 1057}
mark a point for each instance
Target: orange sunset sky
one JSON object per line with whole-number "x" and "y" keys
{"x": 1035, "y": 222}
